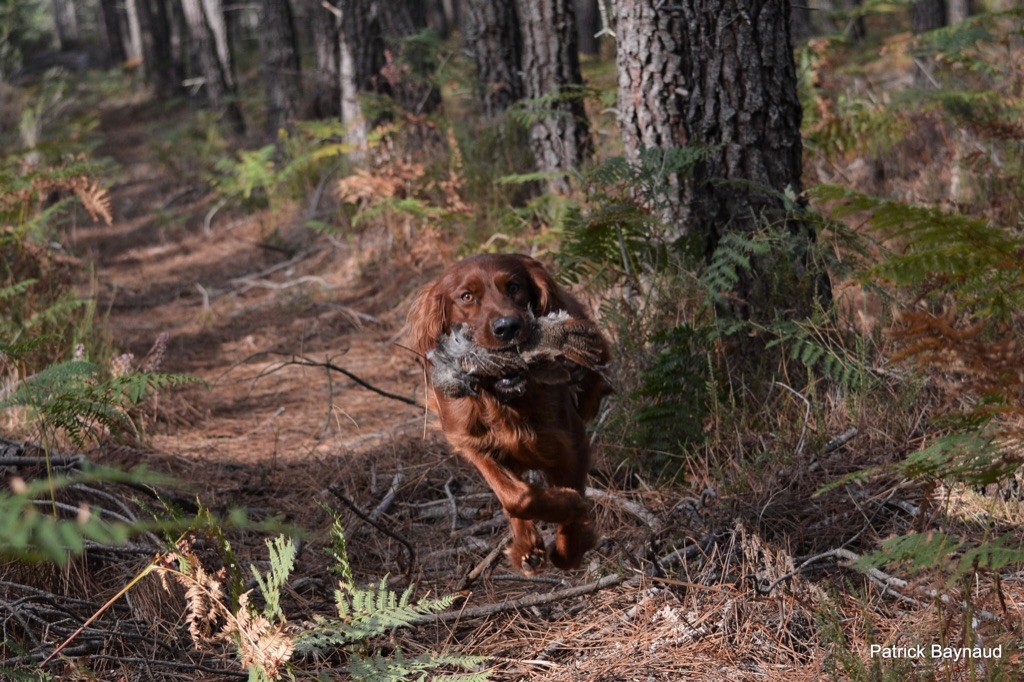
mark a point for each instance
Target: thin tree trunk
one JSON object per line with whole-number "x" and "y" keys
{"x": 652, "y": 87}
{"x": 588, "y": 23}
{"x": 743, "y": 108}
{"x": 155, "y": 23}
{"x": 559, "y": 135}
{"x": 437, "y": 18}
{"x": 491, "y": 33}
{"x": 207, "y": 31}
{"x": 134, "y": 42}
{"x": 180, "y": 56}
{"x": 326, "y": 60}
{"x": 66, "y": 24}
{"x": 959, "y": 10}
{"x": 926, "y": 15}
{"x": 280, "y": 64}
{"x": 111, "y": 24}
{"x": 360, "y": 60}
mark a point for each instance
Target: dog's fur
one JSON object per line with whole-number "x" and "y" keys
{"x": 542, "y": 429}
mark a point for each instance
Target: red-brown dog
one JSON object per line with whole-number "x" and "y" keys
{"x": 541, "y": 428}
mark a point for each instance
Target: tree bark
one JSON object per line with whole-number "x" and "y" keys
{"x": 360, "y": 60}
{"x": 326, "y": 60}
{"x": 111, "y": 24}
{"x": 491, "y": 33}
{"x": 207, "y": 32}
{"x": 155, "y": 44}
{"x": 743, "y": 108}
{"x": 927, "y": 15}
{"x": 65, "y": 22}
{"x": 588, "y": 23}
{"x": 134, "y": 42}
{"x": 559, "y": 135}
{"x": 651, "y": 87}
{"x": 959, "y": 10}
{"x": 280, "y": 64}
{"x": 437, "y": 18}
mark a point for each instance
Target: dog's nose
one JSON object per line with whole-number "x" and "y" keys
{"x": 506, "y": 328}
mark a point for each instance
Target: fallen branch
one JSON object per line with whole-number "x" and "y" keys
{"x": 632, "y": 507}
{"x": 888, "y": 583}
{"x": 524, "y": 602}
{"x": 389, "y": 497}
{"x": 485, "y": 563}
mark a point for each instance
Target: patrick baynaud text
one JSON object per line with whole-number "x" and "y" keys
{"x": 936, "y": 652}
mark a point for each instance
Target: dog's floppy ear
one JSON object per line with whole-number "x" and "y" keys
{"x": 549, "y": 296}
{"x": 427, "y": 318}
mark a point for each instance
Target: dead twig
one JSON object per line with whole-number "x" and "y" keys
{"x": 484, "y": 564}
{"x": 303, "y": 361}
{"x": 389, "y": 497}
{"x": 387, "y": 531}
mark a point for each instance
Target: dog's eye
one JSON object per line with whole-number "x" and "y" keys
{"x": 466, "y": 297}
{"x": 512, "y": 289}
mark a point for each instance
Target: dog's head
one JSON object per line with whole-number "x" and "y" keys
{"x": 496, "y": 295}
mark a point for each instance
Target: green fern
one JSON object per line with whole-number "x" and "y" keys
{"x": 71, "y": 397}
{"x": 365, "y": 613}
{"x": 250, "y": 180}
{"x": 282, "y": 552}
{"x": 29, "y": 531}
{"x": 937, "y": 251}
{"x": 398, "y": 668}
{"x": 368, "y": 612}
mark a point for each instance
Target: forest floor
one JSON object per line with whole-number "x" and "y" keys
{"x": 241, "y": 295}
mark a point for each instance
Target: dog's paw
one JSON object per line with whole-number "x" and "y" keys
{"x": 528, "y": 560}
{"x": 572, "y": 541}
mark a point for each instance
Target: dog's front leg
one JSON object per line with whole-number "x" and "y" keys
{"x": 523, "y": 503}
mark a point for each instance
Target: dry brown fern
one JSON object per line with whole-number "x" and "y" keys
{"x": 95, "y": 198}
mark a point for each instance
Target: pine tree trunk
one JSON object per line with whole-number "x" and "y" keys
{"x": 801, "y": 22}
{"x": 207, "y": 32}
{"x": 134, "y": 42}
{"x": 437, "y": 18}
{"x": 280, "y": 64}
{"x": 652, "y": 89}
{"x": 326, "y": 60}
{"x": 927, "y": 15}
{"x": 112, "y": 35}
{"x": 360, "y": 60}
{"x": 491, "y": 33}
{"x": 588, "y": 23}
{"x": 958, "y": 11}
{"x": 66, "y": 24}
{"x": 743, "y": 106}
{"x": 155, "y": 23}
{"x": 559, "y": 135}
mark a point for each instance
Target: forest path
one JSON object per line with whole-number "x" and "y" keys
{"x": 236, "y": 299}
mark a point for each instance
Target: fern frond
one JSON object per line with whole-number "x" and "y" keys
{"x": 282, "y": 552}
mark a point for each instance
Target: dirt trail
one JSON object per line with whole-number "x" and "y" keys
{"x": 228, "y": 303}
